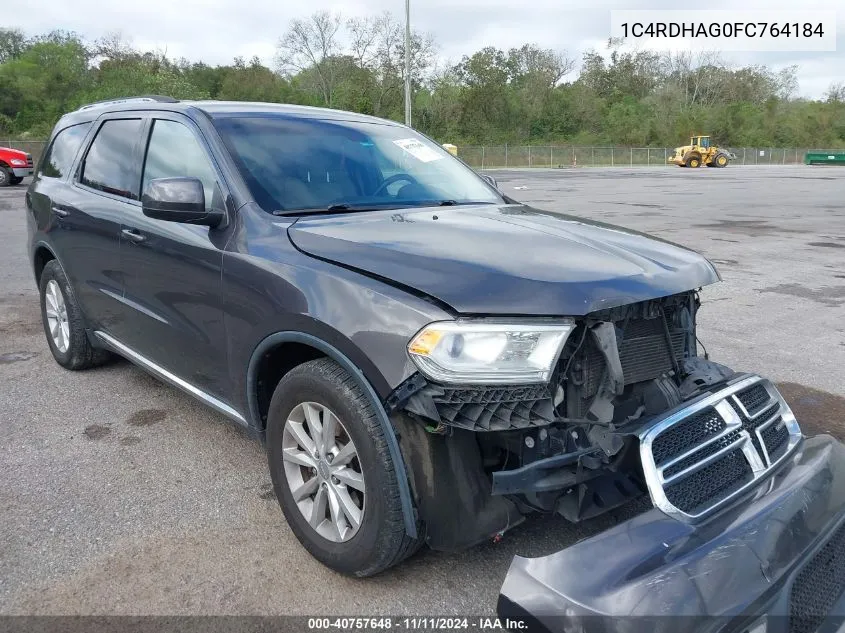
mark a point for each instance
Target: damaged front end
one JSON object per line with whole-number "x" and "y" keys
{"x": 746, "y": 513}
{"x": 569, "y": 445}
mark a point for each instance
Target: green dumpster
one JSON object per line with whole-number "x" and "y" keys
{"x": 824, "y": 158}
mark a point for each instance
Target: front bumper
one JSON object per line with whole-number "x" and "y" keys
{"x": 656, "y": 573}
{"x": 22, "y": 172}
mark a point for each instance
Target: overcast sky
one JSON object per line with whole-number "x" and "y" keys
{"x": 215, "y": 31}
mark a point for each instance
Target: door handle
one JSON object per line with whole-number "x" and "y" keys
{"x": 59, "y": 211}
{"x": 134, "y": 235}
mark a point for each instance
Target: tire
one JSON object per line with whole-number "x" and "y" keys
{"x": 16, "y": 180}
{"x": 5, "y": 177}
{"x": 693, "y": 161}
{"x": 71, "y": 348}
{"x": 720, "y": 161}
{"x": 380, "y": 540}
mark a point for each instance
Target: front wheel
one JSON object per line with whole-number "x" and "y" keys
{"x": 5, "y": 177}
{"x": 332, "y": 472}
{"x": 16, "y": 180}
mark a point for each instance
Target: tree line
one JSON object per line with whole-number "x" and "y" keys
{"x": 527, "y": 94}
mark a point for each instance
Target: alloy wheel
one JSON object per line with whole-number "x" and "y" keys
{"x": 323, "y": 471}
{"x": 57, "y": 319}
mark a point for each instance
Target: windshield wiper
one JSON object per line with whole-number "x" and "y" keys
{"x": 454, "y": 203}
{"x": 335, "y": 208}
{"x": 375, "y": 206}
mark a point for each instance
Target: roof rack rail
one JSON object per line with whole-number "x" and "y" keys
{"x": 141, "y": 98}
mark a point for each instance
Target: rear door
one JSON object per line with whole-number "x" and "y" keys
{"x": 172, "y": 271}
{"x": 84, "y": 210}
{"x": 106, "y": 188}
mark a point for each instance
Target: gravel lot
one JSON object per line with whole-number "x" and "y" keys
{"x": 121, "y": 495}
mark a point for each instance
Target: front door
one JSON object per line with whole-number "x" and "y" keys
{"x": 172, "y": 272}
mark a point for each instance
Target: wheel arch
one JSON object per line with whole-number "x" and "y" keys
{"x": 322, "y": 348}
{"x": 41, "y": 255}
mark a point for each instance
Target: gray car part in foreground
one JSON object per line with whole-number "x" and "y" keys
{"x": 778, "y": 554}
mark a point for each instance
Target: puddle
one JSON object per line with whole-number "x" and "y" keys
{"x": 816, "y": 411}
{"x": 96, "y": 431}
{"x": 16, "y": 357}
{"x": 826, "y": 244}
{"x": 832, "y": 296}
{"x": 748, "y": 227}
{"x": 146, "y": 417}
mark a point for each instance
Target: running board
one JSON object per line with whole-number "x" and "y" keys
{"x": 166, "y": 376}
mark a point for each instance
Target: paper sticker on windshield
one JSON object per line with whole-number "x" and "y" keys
{"x": 421, "y": 152}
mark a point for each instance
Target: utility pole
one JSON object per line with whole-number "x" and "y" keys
{"x": 408, "y": 62}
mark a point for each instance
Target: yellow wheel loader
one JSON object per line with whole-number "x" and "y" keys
{"x": 699, "y": 152}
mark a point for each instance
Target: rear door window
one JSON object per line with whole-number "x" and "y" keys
{"x": 59, "y": 157}
{"x": 110, "y": 163}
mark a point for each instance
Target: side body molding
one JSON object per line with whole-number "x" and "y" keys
{"x": 341, "y": 359}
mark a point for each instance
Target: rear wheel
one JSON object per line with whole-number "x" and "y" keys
{"x": 694, "y": 161}
{"x": 63, "y": 322}
{"x": 332, "y": 472}
{"x": 5, "y": 177}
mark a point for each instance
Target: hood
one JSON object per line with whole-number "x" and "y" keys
{"x": 508, "y": 259}
{"x": 13, "y": 152}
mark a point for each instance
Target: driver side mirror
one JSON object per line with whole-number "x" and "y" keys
{"x": 179, "y": 200}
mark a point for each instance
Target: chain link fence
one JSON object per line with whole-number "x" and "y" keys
{"x": 499, "y": 156}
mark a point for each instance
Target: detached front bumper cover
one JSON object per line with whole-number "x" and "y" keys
{"x": 779, "y": 553}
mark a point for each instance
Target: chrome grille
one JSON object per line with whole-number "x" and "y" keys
{"x": 751, "y": 425}
{"x": 775, "y": 439}
{"x": 753, "y": 399}
{"x": 710, "y": 449}
{"x": 698, "y": 458}
{"x": 687, "y": 434}
{"x": 713, "y": 482}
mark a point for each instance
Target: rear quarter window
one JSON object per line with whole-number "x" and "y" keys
{"x": 59, "y": 157}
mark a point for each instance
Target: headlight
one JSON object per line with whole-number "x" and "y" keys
{"x": 18, "y": 162}
{"x": 488, "y": 352}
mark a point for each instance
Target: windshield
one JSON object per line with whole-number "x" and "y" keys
{"x": 299, "y": 164}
